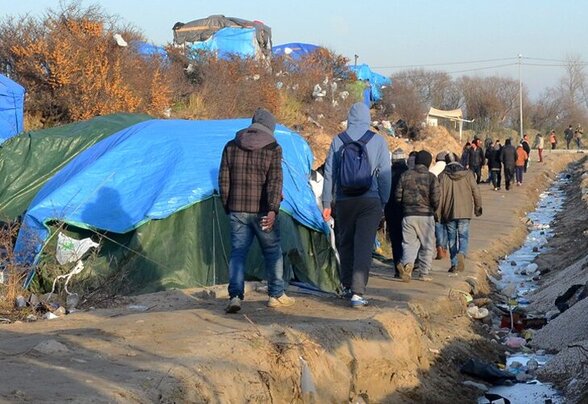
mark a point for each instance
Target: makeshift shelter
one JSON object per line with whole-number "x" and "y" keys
{"x": 454, "y": 115}
{"x": 376, "y": 80}
{"x": 225, "y": 36}
{"x": 148, "y": 50}
{"x": 148, "y": 195}
{"x": 294, "y": 50}
{"x": 29, "y": 160}
{"x": 11, "y": 108}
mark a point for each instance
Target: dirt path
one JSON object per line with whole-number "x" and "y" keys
{"x": 405, "y": 347}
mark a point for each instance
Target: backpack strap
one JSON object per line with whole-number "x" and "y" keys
{"x": 345, "y": 138}
{"x": 367, "y": 136}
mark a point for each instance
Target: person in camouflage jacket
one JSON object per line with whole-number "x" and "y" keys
{"x": 418, "y": 193}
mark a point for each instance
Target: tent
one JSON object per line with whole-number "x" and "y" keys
{"x": 148, "y": 195}
{"x": 294, "y": 50}
{"x": 30, "y": 159}
{"x": 377, "y": 81}
{"x": 148, "y": 50}
{"x": 225, "y": 36}
{"x": 11, "y": 108}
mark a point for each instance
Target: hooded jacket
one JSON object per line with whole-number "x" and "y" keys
{"x": 358, "y": 122}
{"x": 522, "y": 156}
{"x": 250, "y": 175}
{"x": 460, "y": 194}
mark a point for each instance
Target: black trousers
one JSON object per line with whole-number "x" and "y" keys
{"x": 357, "y": 222}
{"x": 477, "y": 173}
{"x": 508, "y": 176}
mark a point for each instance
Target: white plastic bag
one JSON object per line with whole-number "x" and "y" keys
{"x": 70, "y": 250}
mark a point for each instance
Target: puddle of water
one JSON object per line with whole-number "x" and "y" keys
{"x": 518, "y": 280}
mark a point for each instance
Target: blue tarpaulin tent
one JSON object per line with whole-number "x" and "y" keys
{"x": 11, "y": 108}
{"x": 148, "y": 50}
{"x": 230, "y": 41}
{"x": 155, "y": 169}
{"x": 295, "y": 50}
{"x": 377, "y": 81}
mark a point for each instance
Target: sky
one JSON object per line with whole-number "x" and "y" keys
{"x": 462, "y": 37}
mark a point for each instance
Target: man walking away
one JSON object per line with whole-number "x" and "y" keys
{"x": 440, "y": 232}
{"x": 578, "y": 138}
{"x": 527, "y": 149}
{"x": 508, "y": 156}
{"x": 495, "y": 165}
{"x": 418, "y": 192}
{"x": 460, "y": 197}
{"x": 393, "y": 211}
{"x": 250, "y": 185}
{"x": 568, "y": 136}
{"x": 553, "y": 140}
{"x": 522, "y": 157}
{"x": 539, "y": 144}
{"x": 358, "y": 214}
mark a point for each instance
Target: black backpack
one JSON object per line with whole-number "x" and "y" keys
{"x": 355, "y": 170}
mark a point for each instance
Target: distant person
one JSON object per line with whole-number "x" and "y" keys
{"x": 418, "y": 192}
{"x": 460, "y": 197}
{"x": 508, "y": 157}
{"x": 393, "y": 210}
{"x": 568, "y": 136}
{"x": 440, "y": 232}
{"x": 358, "y": 212}
{"x": 495, "y": 164}
{"x": 539, "y": 144}
{"x": 476, "y": 159}
{"x": 527, "y": 149}
{"x": 488, "y": 144}
{"x": 578, "y": 139}
{"x": 465, "y": 154}
{"x": 411, "y": 158}
{"x": 553, "y": 140}
{"x": 250, "y": 184}
{"x": 522, "y": 156}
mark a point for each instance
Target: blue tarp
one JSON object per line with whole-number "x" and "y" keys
{"x": 230, "y": 41}
{"x": 152, "y": 170}
{"x": 295, "y": 50}
{"x": 148, "y": 49}
{"x": 377, "y": 81}
{"x": 11, "y": 108}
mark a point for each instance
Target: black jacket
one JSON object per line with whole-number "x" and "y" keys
{"x": 393, "y": 210}
{"x": 508, "y": 156}
{"x": 493, "y": 156}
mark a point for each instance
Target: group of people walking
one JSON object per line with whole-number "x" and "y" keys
{"x": 427, "y": 207}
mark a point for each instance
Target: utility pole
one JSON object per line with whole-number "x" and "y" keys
{"x": 520, "y": 97}
{"x": 356, "y": 57}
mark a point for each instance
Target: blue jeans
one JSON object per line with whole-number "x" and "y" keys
{"x": 458, "y": 233}
{"x": 440, "y": 235}
{"x": 519, "y": 173}
{"x": 244, "y": 226}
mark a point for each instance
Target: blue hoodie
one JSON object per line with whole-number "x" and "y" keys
{"x": 358, "y": 122}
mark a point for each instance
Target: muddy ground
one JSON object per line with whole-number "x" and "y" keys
{"x": 179, "y": 346}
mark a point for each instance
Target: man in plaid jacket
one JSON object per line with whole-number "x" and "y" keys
{"x": 250, "y": 184}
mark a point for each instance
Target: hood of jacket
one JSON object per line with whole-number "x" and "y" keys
{"x": 254, "y": 138}
{"x": 358, "y": 120}
{"x": 455, "y": 171}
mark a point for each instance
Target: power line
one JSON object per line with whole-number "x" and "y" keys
{"x": 443, "y": 64}
{"x": 483, "y": 68}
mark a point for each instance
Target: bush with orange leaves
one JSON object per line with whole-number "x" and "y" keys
{"x": 73, "y": 69}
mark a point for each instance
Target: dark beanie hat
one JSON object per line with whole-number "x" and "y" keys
{"x": 265, "y": 118}
{"x": 424, "y": 157}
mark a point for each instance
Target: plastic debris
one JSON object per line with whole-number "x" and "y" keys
{"x": 477, "y": 312}
{"x": 50, "y": 316}
{"x": 515, "y": 342}
{"x": 20, "y": 302}
{"x": 306, "y": 383}
{"x": 475, "y": 385}
{"x": 486, "y": 371}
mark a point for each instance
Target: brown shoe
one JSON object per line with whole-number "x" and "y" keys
{"x": 441, "y": 253}
{"x": 405, "y": 271}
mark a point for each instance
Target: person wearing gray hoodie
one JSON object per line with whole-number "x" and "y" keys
{"x": 357, "y": 216}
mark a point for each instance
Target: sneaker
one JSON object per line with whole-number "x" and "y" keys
{"x": 358, "y": 301}
{"x": 452, "y": 269}
{"x": 460, "y": 262}
{"x": 346, "y": 293}
{"x": 282, "y": 301}
{"x": 424, "y": 278}
{"x": 405, "y": 271}
{"x": 234, "y": 305}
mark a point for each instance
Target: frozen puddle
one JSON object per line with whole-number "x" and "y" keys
{"x": 518, "y": 278}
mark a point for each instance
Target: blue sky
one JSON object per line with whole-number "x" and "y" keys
{"x": 389, "y": 34}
